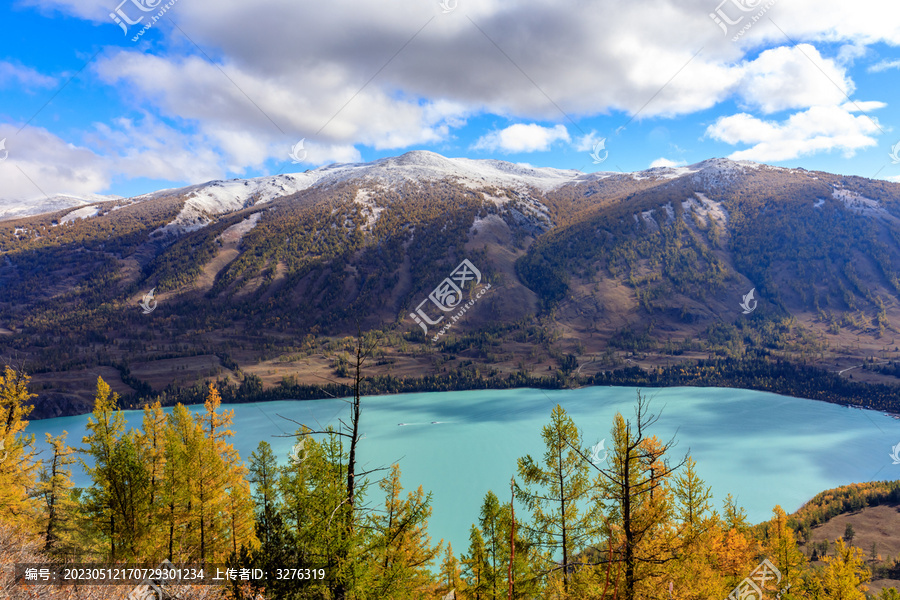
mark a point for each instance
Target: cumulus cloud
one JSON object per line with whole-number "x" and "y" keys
{"x": 345, "y": 74}
{"x": 818, "y": 129}
{"x": 793, "y": 77}
{"x": 41, "y": 164}
{"x": 522, "y": 138}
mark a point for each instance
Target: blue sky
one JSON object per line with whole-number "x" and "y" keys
{"x": 225, "y": 89}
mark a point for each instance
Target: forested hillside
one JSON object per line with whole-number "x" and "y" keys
{"x": 257, "y": 283}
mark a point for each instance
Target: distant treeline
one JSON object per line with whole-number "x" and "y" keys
{"x": 757, "y": 373}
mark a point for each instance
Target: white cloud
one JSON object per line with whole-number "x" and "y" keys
{"x": 522, "y": 138}
{"x": 894, "y": 178}
{"x": 40, "y": 163}
{"x": 586, "y": 143}
{"x": 884, "y": 65}
{"x": 862, "y": 106}
{"x": 793, "y": 77}
{"x": 247, "y": 113}
{"x": 818, "y": 129}
{"x": 665, "y": 162}
{"x": 18, "y": 76}
{"x": 331, "y": 72}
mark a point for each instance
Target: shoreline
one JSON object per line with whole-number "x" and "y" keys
{"x": 779, "y": 377}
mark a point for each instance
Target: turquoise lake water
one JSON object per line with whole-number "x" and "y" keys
{"x": 763, "y": 448}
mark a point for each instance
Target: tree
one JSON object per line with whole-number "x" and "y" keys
{"x": 781, "y": 546}
{"x": 494, "y": 545}
{"x": 264, "y": 475}
{"x": 178, "y": 482}
{"x": 151, "y": 445}
{"x": 17, "y": 467}
{"x": 476, "y": 566}
{"x": 849, "y": 534}
{"x": 450, "y": 574}
{"x": 636, "y": 482}
{"x": 692, "y": 501}
{"x": 696, "y": 570}
{"x": 216, "y": 464}
{"x": 845, "y": 573}
{"x": 559, "y": 493}
{"x": 345, "y": 517}
{"x": 107, "y": 502}
{"x": 402, "y": 550}
{"x": 55, "y": 493}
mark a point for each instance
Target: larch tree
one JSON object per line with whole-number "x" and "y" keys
{"x": 559, "y": 493}
{"x": 264, "y": 475}
{"x": 54, "y": 491}
{"x": 845, "y": 573}
{"x": 476, "y": 566}
{"x": 402, "y": 551}
{"x": 694, "y": 571}
{"x": 494, "y": 545}
{"x": 179, "y": 473}
{"x": 637, "y": 484}
{"x": 105, "y": 497}
{"x": 17, "y": 463}
{"x": 450, "y": 573}
{"x": 151, "y": 443}
{"x": 211, "y": 479}
{"x": 781, "y": 547}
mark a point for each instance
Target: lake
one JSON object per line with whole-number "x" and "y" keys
{"x": 763, "y": 448}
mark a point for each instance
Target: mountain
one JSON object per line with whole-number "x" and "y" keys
{"x": 261, "y": 280}
{"x": 18, "y": 209}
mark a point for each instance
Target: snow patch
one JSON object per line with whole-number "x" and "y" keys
{"x": 81, "y": 213}
{"x": 647, "y": 215}
{"x": 858, "y": 203}
{"x": 714, "y": 209}
{"x": 491, "y": 220}
{"x": 237, "y": 231}
{"x": 370, "y": 208}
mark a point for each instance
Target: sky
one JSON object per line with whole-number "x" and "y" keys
{"x": 101, "y": 97}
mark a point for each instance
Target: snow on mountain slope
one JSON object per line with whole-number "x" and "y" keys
{"x": 39, "y": 206}
{"x": 80, "y": 213}
{"x": 207, "y": 201}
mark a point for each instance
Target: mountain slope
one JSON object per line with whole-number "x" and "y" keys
{"x": 257, "y": 273}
